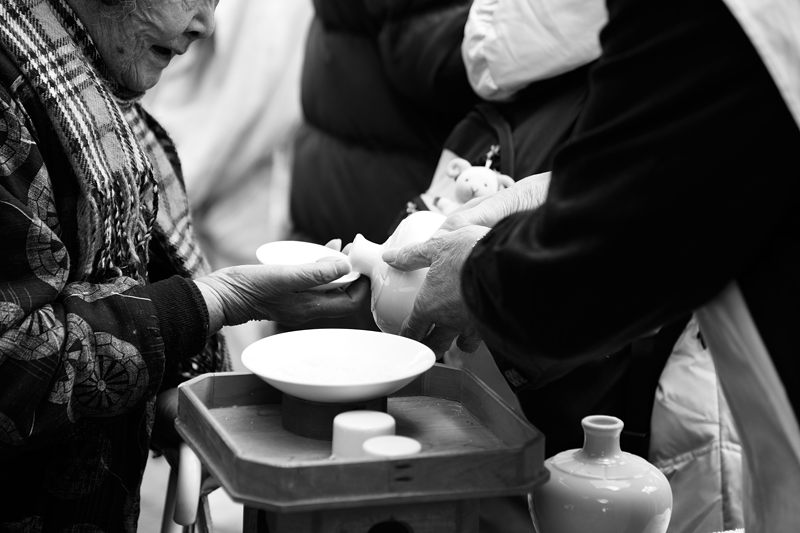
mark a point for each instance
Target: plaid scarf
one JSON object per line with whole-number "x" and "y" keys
{"x": 119, "y": 196}
{"x": 125, "y": 163}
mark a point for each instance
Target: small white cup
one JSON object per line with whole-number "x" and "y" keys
{"x": 352, "y": 428}
{"x": 391, "y": 446}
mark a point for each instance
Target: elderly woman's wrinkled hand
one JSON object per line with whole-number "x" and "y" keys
{"x": 238, "y": 294}
{"x": 439, "y": 314}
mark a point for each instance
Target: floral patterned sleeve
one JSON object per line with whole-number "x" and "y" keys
{"x": 67, "y": 349}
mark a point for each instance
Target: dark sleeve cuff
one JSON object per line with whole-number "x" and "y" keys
{"x": 182, "y": 317}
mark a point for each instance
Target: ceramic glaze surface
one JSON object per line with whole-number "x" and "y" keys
{"x": 600, "y": 488}
{"x": 300, "y": 252}
{"x": 393, "y": 291}
{"x": 391, "y": 446}
{"x": 337, "y": 365}
{"x": 352, "y": 428}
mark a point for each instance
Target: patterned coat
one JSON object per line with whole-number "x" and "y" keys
{"x": 82, "y": 356}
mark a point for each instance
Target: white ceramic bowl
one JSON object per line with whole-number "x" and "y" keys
{"x": 300, "y": 252}
{"x": 337, "y": 365}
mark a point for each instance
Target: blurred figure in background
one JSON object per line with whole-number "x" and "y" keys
{"x": 232, "y": 107}
{"x": 383, "y": 84}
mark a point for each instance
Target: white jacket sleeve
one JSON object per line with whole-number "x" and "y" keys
{"x": 510, "y": 43}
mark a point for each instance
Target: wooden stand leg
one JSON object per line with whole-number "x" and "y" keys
{"x": 254, "y": 521}
{"x": 168, "y": 525}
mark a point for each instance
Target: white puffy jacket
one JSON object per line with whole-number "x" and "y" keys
{"x": 694, "y": 441}
{"x": 510, "y": 43}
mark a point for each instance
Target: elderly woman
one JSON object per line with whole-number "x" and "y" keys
{"x": 98, "y": 310}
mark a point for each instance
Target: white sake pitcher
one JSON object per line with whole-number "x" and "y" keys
{"x": 393, "y": 291}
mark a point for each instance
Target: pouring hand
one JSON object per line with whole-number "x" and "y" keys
{"x": 439, "y": 314}
{"x": 526, "y": 194}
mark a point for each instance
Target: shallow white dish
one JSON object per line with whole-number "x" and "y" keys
{"x": 337, "y": 365}
{"x": 300, "y": 252}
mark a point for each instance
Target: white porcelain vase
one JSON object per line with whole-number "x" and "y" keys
{"x": 600, "y": 488}
{"x": 393, "y": 291}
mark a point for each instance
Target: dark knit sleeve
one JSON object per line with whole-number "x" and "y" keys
{"x": 182, "y": 316}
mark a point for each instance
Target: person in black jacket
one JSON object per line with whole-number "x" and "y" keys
{"x": 382, "y": 86}
{"x": 673, "y": 187}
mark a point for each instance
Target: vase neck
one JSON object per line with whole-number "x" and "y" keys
{"x": 601, "y": 435}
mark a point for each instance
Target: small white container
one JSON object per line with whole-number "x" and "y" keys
{"x": 352, "y": 428}
{"x": 391, "y": 446}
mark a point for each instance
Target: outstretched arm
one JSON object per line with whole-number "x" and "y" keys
{"x": 673, "y": 184}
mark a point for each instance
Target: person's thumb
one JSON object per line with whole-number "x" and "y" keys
{"x": 323, "y": 271}
{"x": 293, "y": 278}
{"x": 411, "y": 257}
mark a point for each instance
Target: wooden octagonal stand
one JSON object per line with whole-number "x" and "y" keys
{"x": 473, "y": 446}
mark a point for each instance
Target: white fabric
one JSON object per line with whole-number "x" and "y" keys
{"x": 773, "y": 27}
{"x": 768, "y": 428}
{"x": 694, "y": 441}
{"x": 232, "y": 106}
{"x": 231, "y": 103}
{"x": 510, "y": 43}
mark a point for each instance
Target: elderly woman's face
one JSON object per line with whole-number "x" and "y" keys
{"x": 138, "y": 38}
